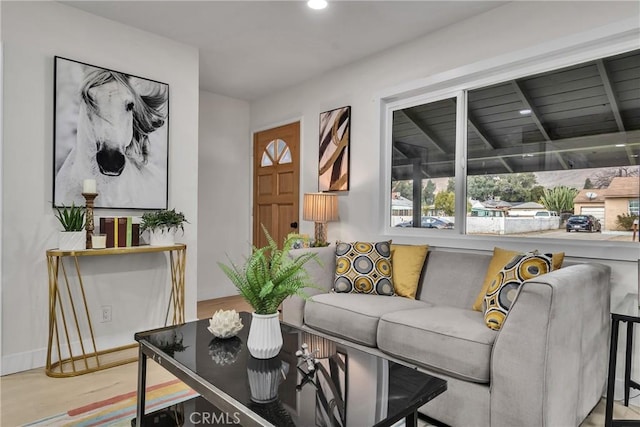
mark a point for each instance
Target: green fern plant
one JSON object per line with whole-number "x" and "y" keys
{"x": 71, "y": 217}
{"x": 270, "y": 275}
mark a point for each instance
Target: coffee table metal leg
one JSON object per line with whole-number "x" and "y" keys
{"x": 142, "y": 386}
{"x": 608, "y": 417}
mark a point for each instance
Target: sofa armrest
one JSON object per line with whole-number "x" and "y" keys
{"x": 549, "y": 361}
{"x": 321, "y": 274}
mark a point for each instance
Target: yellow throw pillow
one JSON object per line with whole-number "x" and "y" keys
{"x": 500, "y": 258}
{"x": 407, "y": 262}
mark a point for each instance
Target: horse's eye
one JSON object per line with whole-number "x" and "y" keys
{"x": 130, "y": 106}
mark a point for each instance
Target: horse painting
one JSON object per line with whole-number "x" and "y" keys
{"x": 117, "y": 116}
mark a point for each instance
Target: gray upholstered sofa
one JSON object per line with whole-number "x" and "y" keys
{"x": 545, "y": 367}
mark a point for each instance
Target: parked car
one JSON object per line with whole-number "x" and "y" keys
{"x": 583, "y": 222}
{"x": 429, "y": 222}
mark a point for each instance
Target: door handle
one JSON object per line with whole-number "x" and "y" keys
{"x": 294, "y": 224}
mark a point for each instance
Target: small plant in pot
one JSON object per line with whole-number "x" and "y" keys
{"x": 74, "y": 237}
{"x": 268, "y": 276}
{"x": 162, "y": 226}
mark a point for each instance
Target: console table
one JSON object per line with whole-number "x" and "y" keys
{"x": 68, "y": 309}
{"x": 629, "y": 312}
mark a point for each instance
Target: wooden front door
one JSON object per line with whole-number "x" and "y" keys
{"x": 276, "y": 175}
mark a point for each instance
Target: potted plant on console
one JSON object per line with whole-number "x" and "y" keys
{"x": 266, "y": 279}
{"x": 74, "y": 236}
{"x": 162, "y": 226}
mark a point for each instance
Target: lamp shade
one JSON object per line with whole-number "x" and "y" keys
{"x": 320, "y": 207}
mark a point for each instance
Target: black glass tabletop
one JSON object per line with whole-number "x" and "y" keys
{"x": 344, "y": 387}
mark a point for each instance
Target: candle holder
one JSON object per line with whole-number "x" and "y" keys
{"x": 88, "y": 225}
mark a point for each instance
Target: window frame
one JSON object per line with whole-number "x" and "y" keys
{"x": 599, "y": 43}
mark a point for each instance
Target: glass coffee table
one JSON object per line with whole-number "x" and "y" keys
{"x": 340, "y": 386}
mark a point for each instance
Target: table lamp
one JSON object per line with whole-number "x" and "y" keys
{"x": 320, "y": 208}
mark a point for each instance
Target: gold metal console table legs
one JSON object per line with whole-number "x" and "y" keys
{"x": 69, "y": 312}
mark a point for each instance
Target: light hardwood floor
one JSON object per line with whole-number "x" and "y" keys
{"x": 31, "y": 395}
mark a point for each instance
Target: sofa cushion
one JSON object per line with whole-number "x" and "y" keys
{"x": 500, "y": 258}
{"x": 449, "y": 339}
{"x": 353, "y": 316}
{"x": 503, "y": 289}
{"x": 407, "y": 262}
{"x": 365, "y": 268}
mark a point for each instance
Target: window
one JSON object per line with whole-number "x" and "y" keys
{"x": 423, "y": 175}
{"x": 634, "y": 207}
{"x": 539, "y": 149}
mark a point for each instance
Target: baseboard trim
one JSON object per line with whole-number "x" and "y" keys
{"x": 25, "y": 361}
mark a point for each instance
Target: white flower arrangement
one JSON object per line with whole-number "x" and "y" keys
{"x": 225, "y": 324}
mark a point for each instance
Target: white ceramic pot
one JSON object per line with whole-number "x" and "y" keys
{"x": 162, "y": 237}
{"x": 72, "y": 240}
{"x": 265, "y": 336}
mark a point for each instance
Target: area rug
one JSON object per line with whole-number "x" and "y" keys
{"x": 119, "y": 410}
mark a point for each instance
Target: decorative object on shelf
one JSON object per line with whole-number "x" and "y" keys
{"x": 265, "y": 375}
{"x": 89, "y": 194}
{"x": 225, "y": 324}
{"x": 225, "y": 351}
{"x": 162, "y": 226}
{"x": 98, "y": 241}
{"x": 121, "y": 231}
{"x": 72, "y": 218}
{"x": 320, "y": 208}
{"x": 111, "y": 127}
{"x": 333, "y": 168}
{"x": 268, "y": 276}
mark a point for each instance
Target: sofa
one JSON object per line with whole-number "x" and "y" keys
{"x": 546, "y": 366}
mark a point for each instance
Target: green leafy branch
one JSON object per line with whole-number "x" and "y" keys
{"x": 270, "y": 275}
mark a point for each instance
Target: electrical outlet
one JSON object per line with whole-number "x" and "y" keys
{"x": 106, "y": 314}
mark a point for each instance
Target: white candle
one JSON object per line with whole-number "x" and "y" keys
{"x": 89, "y": 186}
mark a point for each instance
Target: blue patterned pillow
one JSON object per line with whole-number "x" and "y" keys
{"x": 364, "y": 268}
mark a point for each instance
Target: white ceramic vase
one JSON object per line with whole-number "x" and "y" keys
{"x": 162, "y": 237}
{"x": 72, "y": 240}
{"x": 265, "y": 336}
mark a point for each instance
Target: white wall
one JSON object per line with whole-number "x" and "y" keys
{"x": 135, "y": 286}
{"x": 224, "y": 195}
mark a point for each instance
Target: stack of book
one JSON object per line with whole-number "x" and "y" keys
{"x": 121, "y": 231}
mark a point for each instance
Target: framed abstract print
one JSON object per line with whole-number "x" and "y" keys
{"x": 333, "y": 168}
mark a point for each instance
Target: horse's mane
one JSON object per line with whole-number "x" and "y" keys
{"x": 149, "y": 110}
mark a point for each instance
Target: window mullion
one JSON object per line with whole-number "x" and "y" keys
{"x": 461, "y": 162}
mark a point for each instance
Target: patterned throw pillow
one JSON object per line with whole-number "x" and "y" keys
{"x": 503, "y": 289}
{"x": 364, "y": 268}
{"x": 498, "y": 260}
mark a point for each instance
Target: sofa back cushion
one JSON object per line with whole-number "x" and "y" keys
{"x": 453, "y": 278}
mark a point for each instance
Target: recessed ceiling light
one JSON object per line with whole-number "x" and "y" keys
{"x": 525, "y": 111}
{"x": 317, "y": 4}
{"x": 621, "y": 145}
